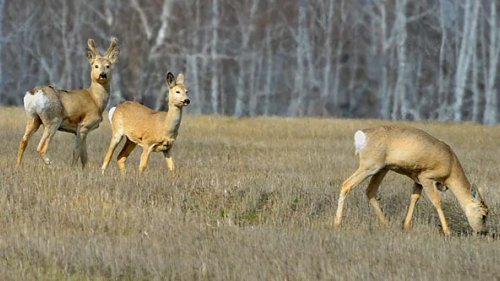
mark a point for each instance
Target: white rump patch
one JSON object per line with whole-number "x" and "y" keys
{"x": 360, "y": 141}
{"x": 111, "y": 112}
{"x": 36, "y": 103}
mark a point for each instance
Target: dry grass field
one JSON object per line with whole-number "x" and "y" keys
{"x": 253, "y": 199}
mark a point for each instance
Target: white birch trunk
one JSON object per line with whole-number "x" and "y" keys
{"x": 156, "y": 38}
{"x": 214, "y": 91}
{"x": 443, "y": 78}
{"x": 476, "y": 93}
{"x": 384, "y": 92}
{"x": 328, "y": 49}
{"x": 491, "y": 100}
{"x": 269, "y": 72}
{"x": 297, "y": 100}
{"x": 400, "y": 107}
{"x": 338, "y": 66}
{"x": 245, "y": 61}
{"x": 192, "y": 66}
{"x": 468, "y": 38}
{"x": 2, "y": 79}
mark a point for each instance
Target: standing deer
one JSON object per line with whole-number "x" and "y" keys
{"x": 429, "y": 162}
{"x": 154, "y": 131}
{"x": 76, "y": 111}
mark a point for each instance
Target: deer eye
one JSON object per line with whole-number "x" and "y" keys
{"x": 187, "y": 92}
{"x": 177, "y": 92}
{"x": 107, "y": 66}
{"x": 96, "y": 66}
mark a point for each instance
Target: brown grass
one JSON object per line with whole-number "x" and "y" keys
{"x": 253, "y": 199}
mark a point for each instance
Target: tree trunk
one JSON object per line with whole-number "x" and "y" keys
{"x": 466, "y": 47}
{"x": 400, "y": 107}
{"x": 269, "y": 72}
{"x": 328, "y": 49}
{"x": 214, "y": 91}
{"x": 384, "y": 92}
{"x": 156, "y": 39}
{"x": 246, "y": 61}
{"x": 444, "y": 77}
{"x": 339, "y": 51}
{"x": 491, "y": 100}
{"x": 297, "y": 102}
{"x": 2, "y": 78}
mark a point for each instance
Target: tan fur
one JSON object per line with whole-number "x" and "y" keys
{"x": 430, "y": 162}
{"x": 154, "y": 131}
{"x": 77, "y": 111}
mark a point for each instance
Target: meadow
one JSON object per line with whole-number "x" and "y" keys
{"x": 252, "y": 199}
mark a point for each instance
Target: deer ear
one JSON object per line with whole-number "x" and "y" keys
{"x": 170, "y": 80}
{"x": 91, "y": 51}
{"x": 180, "y": 79}
{"x": 113, "y": 51}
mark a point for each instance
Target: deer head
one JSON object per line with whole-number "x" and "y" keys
{"x": 101, "y": 65}
{"x": 477, "y": 211}
{"x": 177, "y": 92}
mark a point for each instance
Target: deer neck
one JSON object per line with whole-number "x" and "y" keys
{"x": 474, "y": 209}
{"x": 172, "y": 121}
{"x": 458, "y": 183}
{"x": 100, "y": 94}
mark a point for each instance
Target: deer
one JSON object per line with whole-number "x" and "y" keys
{"x": 154, "y": 131}
{"x": 429, "y": 162}
{"x": 76, "y": 111}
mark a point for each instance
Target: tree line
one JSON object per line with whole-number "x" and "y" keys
{"x": 391, "y": 59}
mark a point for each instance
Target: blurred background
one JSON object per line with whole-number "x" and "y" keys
{"x": 390, "y": 59}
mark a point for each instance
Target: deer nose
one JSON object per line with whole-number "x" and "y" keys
{"x": 103, "y": 76}
{"x": 187, "y": 101}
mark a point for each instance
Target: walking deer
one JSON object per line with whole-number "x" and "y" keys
{"x": 152, "y": 130}
{"x": 431, "y": 164}
{"x": 76, "y": 111}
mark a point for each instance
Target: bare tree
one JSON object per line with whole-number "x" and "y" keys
{"x": 400, "y": 107}
{"x": 491, "y": 100}
{"x": 471, "y": 10}
{"x": 214, "y": 90}
{"x": 245, "y": 12}
{"x": 156, "y": 35}
{"x": 2, "y": 11}
{"x": 302, "y": 39}
{"x": 444, "y": 76}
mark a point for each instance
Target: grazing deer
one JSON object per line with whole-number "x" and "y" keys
{"x": 154, "y": 131}
{"x": 428, "y": 161}
{"x": 77, "y": 111}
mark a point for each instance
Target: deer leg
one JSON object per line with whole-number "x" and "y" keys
{"x": 169, "y": 160}
{"x": 48, "y": 132}
{"x": 146, "y": 151}
{"x": 358, "y": 177}
{"x": 433, "y": 194}
{"x": 371, "y": 193}
{"x": 77, "y": 148}
{"x": 115, "y": 140}
{"x": 83, "y": 131}
{"x": 124, "y": 153}
{"x": 31, "y": 127}
{"x": 83, "y": 153}
{"x": 415, "y": 196}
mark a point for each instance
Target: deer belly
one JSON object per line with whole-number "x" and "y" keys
{"x": 67, "y": 126}
{"x": 163, "y": 146}
{"x": 411, "y": 173}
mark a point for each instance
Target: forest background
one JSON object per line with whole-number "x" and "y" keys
{"x": 390, "y": 59}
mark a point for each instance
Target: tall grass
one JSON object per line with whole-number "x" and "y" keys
{"x": 253, "y": 199}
